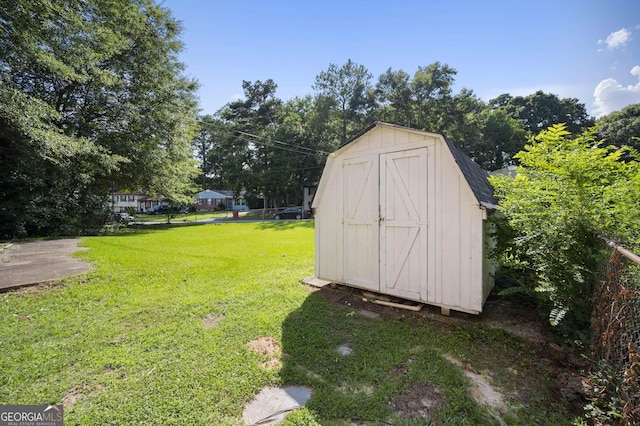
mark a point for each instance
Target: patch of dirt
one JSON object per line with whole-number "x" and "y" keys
{"x": 70, "y": 399}
{"x": 268, "y": 347}
{"x": 419, "y": 402}
{"x": 506, "y": 315}
{"x": 211, "y": 321}
{"x": 355, "y": 299}
{"x": 76, "y": 395}
{"x": 272, "y": 364}
{"x": 483, "y": 392}
{"x": 30, "y": 290}
{"x": 523, "y": 375}
{"x": 265, "y": 346}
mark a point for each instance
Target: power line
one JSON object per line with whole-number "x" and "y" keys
{"x": 315, "y": 151}
{"x": 297, "y": 149}
{"x": 284, "y": 148}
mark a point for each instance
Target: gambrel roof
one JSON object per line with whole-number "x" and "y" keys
{"x": 476, "y": 176}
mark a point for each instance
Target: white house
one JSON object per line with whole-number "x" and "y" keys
{"x": 126, "y": 201}
{"x": 138, "y": 202}
{"x": 403, "y": 212}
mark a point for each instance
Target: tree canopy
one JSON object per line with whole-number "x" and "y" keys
{"x": 250, "y": 150}
{"x": 622, "y": 128}
{"x": 105, "y": 78}
{"x": 93, "y": 98}
{"x": 540, "y": 110}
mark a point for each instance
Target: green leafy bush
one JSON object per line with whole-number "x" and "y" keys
{"x": 567, "y": 191}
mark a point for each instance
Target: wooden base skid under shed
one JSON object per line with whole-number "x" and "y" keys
{"x": 387, "y": 300}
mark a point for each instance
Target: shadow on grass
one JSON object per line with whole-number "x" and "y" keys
{"x": 366, "y": 363}
{"x": 286, "y": 224}
{"x": 139, "y": 229}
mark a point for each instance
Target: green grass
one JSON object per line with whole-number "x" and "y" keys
{"x": 127, "y": 341}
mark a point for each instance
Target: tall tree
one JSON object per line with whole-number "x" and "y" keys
{"x": 348, "y": 91}
{"x": 251, "y": 122}
{"x": 394, "y": 95}
{"x": 462, "y": 124}
{"x": 104, "y": 74}
{"x": 541, "y": 110}
{"x": 210, "y": 131}
{"x": 432, "y": 87}
{"x": 303, "y": 156}
{"x": 500, "y": 138}
{"x": 622, "y": 127}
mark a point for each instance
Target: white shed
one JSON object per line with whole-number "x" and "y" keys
{"x": 403, "y": 212}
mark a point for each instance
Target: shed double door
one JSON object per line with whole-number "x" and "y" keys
{"x": 385, "y": 223}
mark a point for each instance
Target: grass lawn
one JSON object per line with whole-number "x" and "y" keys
{"x": 158, "y": 334}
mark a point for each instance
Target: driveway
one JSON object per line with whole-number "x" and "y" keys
{"x": 35, "y": 262}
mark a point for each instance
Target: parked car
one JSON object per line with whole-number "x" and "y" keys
{"x": 125, "y": 217}
{"x": 121, "y": 217}
{"x": 159, "y": 209}
{"x": 288, "y": 213}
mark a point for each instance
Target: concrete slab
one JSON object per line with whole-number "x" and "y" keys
{"x": 271, "y": 405}
{"x": 315, "y": 281}
{"x": 35, "y": 262}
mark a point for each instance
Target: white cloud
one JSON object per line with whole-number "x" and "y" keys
{"x": 617, "y": 39}
{"x": 612, "y": 96}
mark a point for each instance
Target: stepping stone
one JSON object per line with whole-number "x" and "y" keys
{"x": 271, "y": 405}
{"x": 344, "y": 350}
{"x": 368, "y": 314}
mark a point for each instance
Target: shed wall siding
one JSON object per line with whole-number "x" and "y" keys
{"x": 453, "y": 247}
{"x": 328, "y": 233}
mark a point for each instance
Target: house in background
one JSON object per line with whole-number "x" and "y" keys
{"x": 404, "y": 213}
{"x": 139, "y": 202}
{"x": 210, "y": 200}
{"x": 125, "y": 201}
{"x": 147, "y": 202}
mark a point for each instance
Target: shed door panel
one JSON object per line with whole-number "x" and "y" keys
{"x": 361, "y": 230}
{"x": 403, "y": 223}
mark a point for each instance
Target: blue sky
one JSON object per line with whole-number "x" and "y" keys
{"x": 567, "y": 47}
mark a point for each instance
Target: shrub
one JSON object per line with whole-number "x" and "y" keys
{"x": 567, "y": 191}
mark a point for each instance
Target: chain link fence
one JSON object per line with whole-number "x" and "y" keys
{"x": 615, "y": 324}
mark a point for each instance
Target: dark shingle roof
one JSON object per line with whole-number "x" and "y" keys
{"x": 476, "y": 176}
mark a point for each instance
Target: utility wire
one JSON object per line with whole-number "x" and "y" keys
{"x": 293, "y": 150}
{"x": 315, "y": 151}
{"x": 282, "y": 148}
{"x": 297, "y": 149}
